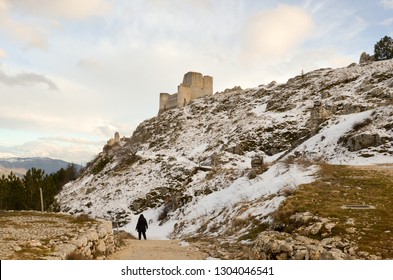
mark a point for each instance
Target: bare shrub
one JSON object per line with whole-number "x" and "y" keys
{"x": 76, "y": 256}
{"x": 239, "y": 223}
{"x": 254, "y": 172}
{"x": 359, "y": 125}
{"x": 83, "y": 218}
{"x": 287, "y": 191}
{"x": 120, "y": 237}
{"x": 164, "y": 213}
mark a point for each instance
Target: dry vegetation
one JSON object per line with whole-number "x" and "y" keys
{"x": 20, "y": 228}
{"x": 338, "y": 186}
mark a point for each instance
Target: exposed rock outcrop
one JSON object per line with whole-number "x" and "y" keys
{"x": 54, "y": 236}
{"x": 366, "y": 58}
{"x": 273, "y": 245}
{"x": 300, "y": 244}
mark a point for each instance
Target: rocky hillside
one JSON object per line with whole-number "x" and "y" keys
{"x": 189, "y": 169}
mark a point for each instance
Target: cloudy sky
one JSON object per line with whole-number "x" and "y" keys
{"x": 74, "y": 72}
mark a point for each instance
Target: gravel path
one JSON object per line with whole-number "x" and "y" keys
{"x": 157, "y": 250}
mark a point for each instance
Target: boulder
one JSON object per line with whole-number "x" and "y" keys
{"x": 366, "y": 58}
{"x": 92, "y": 235}
{"x": 273, "y": 245}
{"x": 362, "y": 141}
{"x": 63, "y": 250}
{"x": 35, "y": 243}
{"x": 16, "y": 248}
{"x": 315, "y": 228}
{"x": 329, "y": 226}
{"x": 101, "y": 247}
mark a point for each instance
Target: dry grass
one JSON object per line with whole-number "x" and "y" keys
{"x": 121, "y": 236}
{"x": 31, "y": 253}
{"x": 82, "y": 219}
{"x": 76, "y": 256}
{"x": 343, "y": 185}
{"x": 254, "y": 172}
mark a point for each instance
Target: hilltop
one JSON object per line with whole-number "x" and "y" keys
{"x": 189, "y": 169}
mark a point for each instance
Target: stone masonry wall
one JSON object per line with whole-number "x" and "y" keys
{"x": 194, "y": 85}
{"x": 93, "y": 243}
{"x": 53, "y": 236}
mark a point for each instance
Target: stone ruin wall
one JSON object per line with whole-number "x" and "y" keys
{"x": 194, "y": 85}
{"x": 114, "y": 140}
{"x": 53, "y": 236}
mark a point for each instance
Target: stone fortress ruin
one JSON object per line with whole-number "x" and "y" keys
{"x": 194, "y": 85}
{"x": 114, "y": 140}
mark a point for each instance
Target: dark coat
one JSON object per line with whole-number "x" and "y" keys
{"x": 142, "y": 224}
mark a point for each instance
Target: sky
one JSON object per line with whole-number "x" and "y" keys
{"x": 72, "y": 72}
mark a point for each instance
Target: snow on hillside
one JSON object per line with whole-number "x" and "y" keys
{"x": 188, "y": 170}
{"x": 230, "y": 200}
{"x": 325, "y": 143}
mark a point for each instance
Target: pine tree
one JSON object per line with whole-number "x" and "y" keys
{"x": 4, "y": 190}
{"x": 24, "y": 194}
{"x": 16, "y": 198}
{"x": 383, "y": 49}
{"x": 33, "y": 181}
{"x": 50, "y": 191}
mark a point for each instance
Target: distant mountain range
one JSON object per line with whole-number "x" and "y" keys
{"x": 19, "y": 166}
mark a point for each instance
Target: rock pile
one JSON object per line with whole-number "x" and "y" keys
{"x": 366, "y": 58}
{"x": 36, "y": 235}
{"x": 93, "y": 243}
{"x": 274, "y": 245}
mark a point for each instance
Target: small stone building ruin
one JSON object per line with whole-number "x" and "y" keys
{"x": 114, "y": 140}
{"x": 194, "y": 85}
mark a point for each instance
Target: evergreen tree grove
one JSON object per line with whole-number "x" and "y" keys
{"x": 24, "y": 194}
{"x": 383, "y": 49}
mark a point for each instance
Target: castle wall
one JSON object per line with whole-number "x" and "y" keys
{"x": 194, "y": 85}
{"x": 207, "y": 85}
{"x": 163, "y": 101}
{"x": 184, "y": 95}
{"x": 172, "y": 101}
{"x": 168, "y": 101}
{"x": 193, "y": 79}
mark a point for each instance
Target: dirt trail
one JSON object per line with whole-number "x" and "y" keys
{"x": 157, "y": 250}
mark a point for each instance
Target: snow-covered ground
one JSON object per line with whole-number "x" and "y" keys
{"x": 194, "y": 162}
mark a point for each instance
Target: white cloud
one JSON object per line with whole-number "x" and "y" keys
{"x": 3, "y": 53}
{"x": 40, "y": 17}
{"x": 76, "y": 151}
{"x": 272, "y": 34}
{"x": 26, "y": 80}
{"x": 89, "y": 63}
{"x": 388, "y": 4}
{"x": 17, "y": 30}
{"x": 64, "y": 9}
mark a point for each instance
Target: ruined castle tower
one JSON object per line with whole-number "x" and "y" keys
{"x": 194, "y": 85}
{"x": 114, "y": 140}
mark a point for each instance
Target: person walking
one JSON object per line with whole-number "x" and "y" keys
{"x": 141, "y": 227}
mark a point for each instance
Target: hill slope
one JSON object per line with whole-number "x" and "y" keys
{"x": 189, "y": 169}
